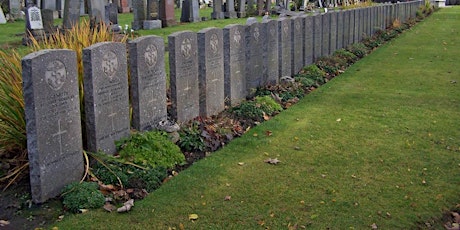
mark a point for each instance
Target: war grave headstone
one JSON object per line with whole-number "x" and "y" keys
{"x": 53, "y": 125}
{"x": 111, "y": 14}
{"x": 326, "y": 33}
{"x": 148, "y": 81}
{"x": 153, "y": 14}
{"x": 211, "y": 71}
{"x": 34, "y": 25}
{"x": 2, "y": 16}
{"x": 217, "y": 10}
{"x": 15, "y": 9}
{"x": 284, "y": 47}
{"x": 234, "y": 64}
{"x": 317, "y": 36}
{"x": 123, "y": 7}
{"x": 97, "y": 11}
{"x": 340, "y": 27}
{"x": 351, "y": 34}
{"x": 139, "y": 14}
{"x": 71, "y": 13}
{"x": 308, "y": 44}
{"x": 167, "y": 13}
{"x": 183, "y": 62}
{"x": 271, "y": 64}
{"x": 361, "y": 24}
{"x": 241, "y": 9}
{"x": 368, "y": 21}
{"x": 230, "y": 9}
{"x": 255, "y": 40}
{"x": 297, "y": 44}
{"x": 48, "y": 20}
{"x": 333, "y": 35}
{"x": 106, "y": 95}
{"x": 190, "y": 11}
{"x": 356, "y": 26}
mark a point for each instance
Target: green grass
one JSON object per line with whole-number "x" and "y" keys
{"x": 378, "y": 144}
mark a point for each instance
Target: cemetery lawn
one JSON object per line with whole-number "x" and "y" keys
{"x": 378, "y": 145}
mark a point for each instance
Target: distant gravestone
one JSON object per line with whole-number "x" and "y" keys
{"x": 124, "y": 6}
{"x": 152, "y": 24}
{"x": 241, "y": 13}
{"x": 297, "y": 44}
{"x": 139, "y": 14}
{"x": 308, "y": 42}
{"x": 183, "y": 64}
{"x": 48, "y": 20}
{"x": 211, "y": 71}
{"x": 153, "y": 9}
{"x": 271, "y": 64}
{"x": 53, "y": 125}
{"x": 15, "y": 9}
{"x": 167, "y": 13}
{"x": 284, "y": 47}
{"x": 333, "y": 35}
{"x": 255, "y": 41}
{"x": 217, "y": 10}
{"x": 326, "y": 33}
{"x": 2, "y": 16}
{"x": 106, "y": 95}
{"x": 230, "y": 9}
{"x": 251, "y": 20}
{"x": 190, "y": 11}
{"x": 148, "y": 81}
{"x": 234, "y": 64}
{"x": 317, "y": 36}
{"x": 34, "y": 18}
{"x": 71, "y": 13}
{"x": 111, "y": 14}
{"x": 97, "y": 11}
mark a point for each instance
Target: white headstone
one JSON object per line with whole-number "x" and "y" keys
{"x": 2, "y": 16}
{"x": 35, "y": 18}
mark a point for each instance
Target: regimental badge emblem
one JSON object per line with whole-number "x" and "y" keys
{"x": 256, "y": 33}
{"x": 214, "y": 43}
{"x": 55, "y": 74}
{"x": 186, "y": 48}
{"x": 110, "y": 64}
{"x": 151, "y": 55}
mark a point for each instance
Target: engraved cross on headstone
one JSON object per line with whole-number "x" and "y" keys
{"x": 59, "y": 134}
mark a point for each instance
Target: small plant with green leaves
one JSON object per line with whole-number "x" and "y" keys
{"x": 152, "y": 149}
{"x": 257, "y": 109}
{"x": 346, "y": 55}
{"x": 311, "y": 76}
{"x": 85, "y": 195}
{"x": 358, "y": 49}
{"x": 190, "y": 138}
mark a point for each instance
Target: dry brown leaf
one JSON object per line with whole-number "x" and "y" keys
{"x": 273, "y": 161}
{"x": 374, "y": 226}
{"x": 227, "y": 197}
{"x": 109, "y": 207}
{"x": 456, "y": 217}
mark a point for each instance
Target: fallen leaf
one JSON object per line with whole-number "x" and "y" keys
{"x": 268, "y": 133}
{"x": 339, "y": 119}
{"x": 374, "y": 226}
{"x": 4, "y": 222}
{"x": 61, "y": 217}
{"x": 109, "y": 207}
{"x": 266, "y": 117}
{"x": 456, "y": 217}
{"x": 273, "y": 161}
{"x": 181, "y": 226}
{"x": 193, "y": 217}
{"x": 255, "y": 134}
{"x": 240, "y": 163}
{"x": 228, "y": 198}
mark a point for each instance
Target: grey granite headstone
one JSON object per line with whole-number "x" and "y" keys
{"x": 183, "y": 67}
{"x": 34, "y": 18}
{"x": 271, "y": 62}
{"x": 48, "y": 20}
{"x": 71, "y": 13}
{"x": 230, "y": 9}
{"x": 251, "y": 20}
{"x": 217, "y": 10}
{"x": 106, "y": 95}
{"x": 111, "y": 14}
{"x": 15, "y": 9}
{"x": 333, "y": 35}
{"x": 2, "y": 16}
{"x": 211, "y": 71}
{"x": 356, "y": 26}
{"x": 234, "y": 64}
{"x": 326, "y": 31}
{"x": 308, "y": 42}
{"x": 190, "y": 11}
{"x": 340, "y": 26}
{"x": 317, "y": 36}
{"x": 284, "y": 47}
{"x": 185, "y": 11}
{"x": 53, "y": 125}
{"x": 153, "y": 9}
{"x": 139, "y": 14}
{"x": 148, "y": 81}
{"x": 297, "y": 44}
{"x": 152, "y": 24}
{"x": 97, "y": 11}
{"x": 241, "y": 13}
{"x": 255, "y": 40}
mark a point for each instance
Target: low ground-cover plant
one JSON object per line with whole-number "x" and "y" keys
{"x": 85, "y": 195}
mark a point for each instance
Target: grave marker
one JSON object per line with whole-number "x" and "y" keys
{"x": 284, "y": 47}
{"x": 52, "y": 111}
{"x": 97, "y": 11}
{"x": 2, "y": 16}
{"x": 167, "y": 13}
{"x": 317, "y": 36}
{"x": 326, "y": 33}
{"x": 106, "y": 95}
{"x": 211, "y": 71}
{"x": 255, "y": 40}
{"x": 139, "y": 11}
{"x": 34, "y": 18}
{"x": 271, "y": 64}
{"x": 148, "y": 81}
{"x": 71, "y": 13}
{"x": 297, "y": 44}
{"x": 183, "y": 64}
{"x": 308, "y": 42}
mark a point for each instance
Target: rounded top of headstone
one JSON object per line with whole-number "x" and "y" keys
{"x": 251, "y": 20}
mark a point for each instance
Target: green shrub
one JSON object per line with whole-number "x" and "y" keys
{"x": 255, "y": 110}
{"x": 152, "y": 149}
{"x": 312, "y": 72}
{"x": 191, "y": 139}
{"x": 148, "y": 179}
{"x": 358, "y": 49}
{"x": 268, "y": 105}
{"x": 83, "y": 195}
{"x": 346, "y": 55}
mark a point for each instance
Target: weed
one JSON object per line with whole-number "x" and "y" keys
{"x": 358, "y": 49}
{"x": 83, "y": 195}
{"x": 191, "y": 139}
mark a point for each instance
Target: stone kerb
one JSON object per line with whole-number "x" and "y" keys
{"x": 148, "y": 81}
{"x": 53, "y": 124}
{"x": 308, "y": 42}
{"x": 234, "y": 64}
{"x": 211, "y": 71}
{"x": 106, "y": 95}
{"x": 297, "y": 44}
{"x": 271, "y": 63}
{"x": 284, "y": 47}
{"x": 183, "y": 67}
{"x": 255, "y": 40}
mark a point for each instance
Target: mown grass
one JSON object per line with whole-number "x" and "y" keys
{"x": 378, "y": 144}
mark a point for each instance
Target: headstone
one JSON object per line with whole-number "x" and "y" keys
{"x": 167, "y": 13}
{"x": 346, "y": 28}
{"x": 111, "y": 14}
{"x": 48, "y": 20}
{"x": 190, "y": 11}
{"x": 333, "y": 35}
{"x": 2, "y": 16}
{"x": 50, "y": 5}
{"x": 251, "y": 20}
{"x": 153, "y": 9}
{"x": 34, "y": 18}
{"x": 217, "y": 10}
{"x": 241, "y": 13}
{"x": 340, "y": 26}
{"x": 234, "y": 64}
{"x": 271, "y": 64}
{"x": 317, "y": 36}
{"x": 53, "y": 125}
{"x": 148, "y": 81}
{"x": 71, "y": 13}
{"x": 185, "y": 11}
{"x": 308, "y": 52}
{"x": 230, "y": 9}
{"x": 152, "y": 24}
{"x": 139, "y": 14}
{"x": 96, "y": 11}
{"x": 106, "y": 95}
{"x": 183, "y": 69}
{"x": 326, "y": 31}
{"x": 15, "y": 9}
{"x": 356, "y": 26}
{"x": 284, "y": 47}
{"x": 260, "y": 7}
{"x": 124, "y": 7}
{"x": 297, "y": 42}
{"x": 211, "y": 71}
{"x": 255, "y": 40}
